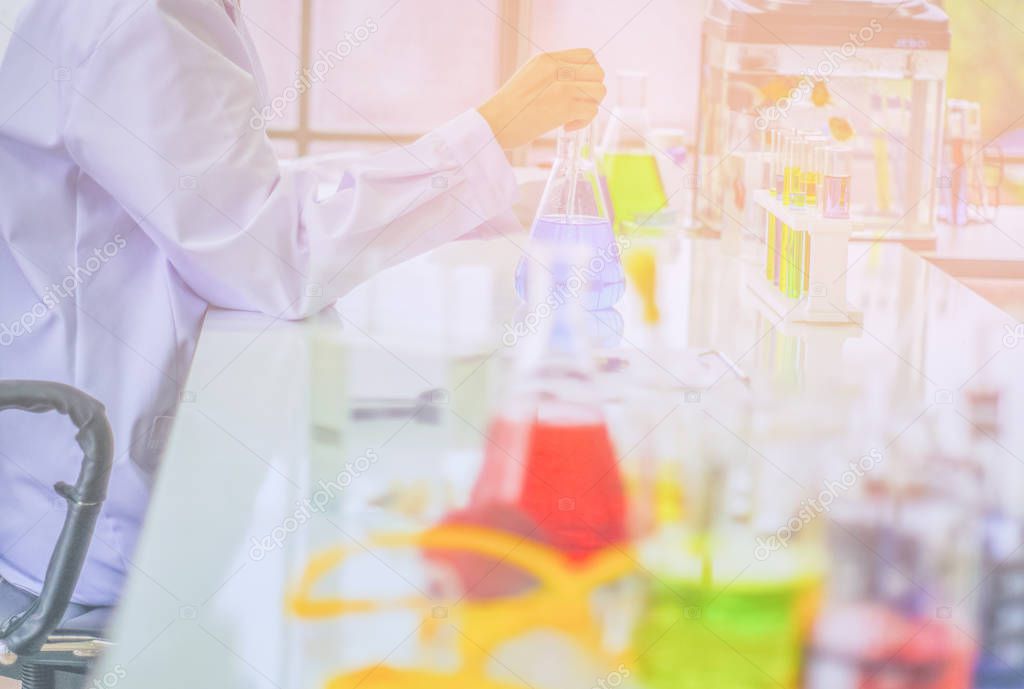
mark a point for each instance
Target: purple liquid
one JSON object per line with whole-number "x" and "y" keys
{"x": 601, "y": 270}
{"x": 836, "y": 201}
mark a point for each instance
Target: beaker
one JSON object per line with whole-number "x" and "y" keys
{"x": 572, "y": 213}
{"x": 549, "y": 453}
{"x": 629, "y": 166}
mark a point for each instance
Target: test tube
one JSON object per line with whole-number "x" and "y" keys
{"x": 775, "y": 189}
{"x": 798, "y": 193}
{"x": 789, "y": 158}
{"x": 798, "y": 240}
{"x": 838, "y": 164}
{"x": 814, "y": 174}
{"x": 778, "y": 169}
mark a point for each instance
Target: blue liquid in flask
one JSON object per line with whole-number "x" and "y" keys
{"x": 601, "y": 270}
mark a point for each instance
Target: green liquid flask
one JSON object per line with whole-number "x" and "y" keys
{"x": 629, "y": 167}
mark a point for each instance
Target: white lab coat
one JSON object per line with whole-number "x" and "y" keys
{"x": 135, "y": 193}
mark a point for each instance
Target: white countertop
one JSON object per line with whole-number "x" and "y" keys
{"x": 265, "y": 416}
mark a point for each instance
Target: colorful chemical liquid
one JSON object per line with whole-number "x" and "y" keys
{"x": 634, "y": 185}
{"x": 836, "y": 201}
{"x": 657, "y": 498}
{"x": 798, "y": 190}
{"x": 807, "y": 264}
{"x": 799, "y": 258}
{"x": 811, "y": 189}
{"x": 479, "y": 576}
{"x": 887, "y": 651}
{"x": 602, "y": 270}
{"x": 785, "y": 265}
{"x": 777, "y": 270}
{"x": 770, "y": 255}
{"x": 746, "y": 636}
{"x": 565, "y": 477}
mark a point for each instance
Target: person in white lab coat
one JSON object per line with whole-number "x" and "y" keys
{"x": 136, "y": 193}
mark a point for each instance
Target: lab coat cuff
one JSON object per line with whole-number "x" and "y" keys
{"x": 482, "y": 163}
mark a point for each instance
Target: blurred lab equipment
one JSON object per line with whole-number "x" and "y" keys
{"x": 628, "y": 158}
{"x": 572, "y": 213}
{"x": 548, "y": 451}
{"x": 904, "y": 560}
{"x": 560, "y": 600}
{"x": 720, "y": 589}
{"x": 808, "y": 230}
{"x": 972, "y": 171}
{"x": 869, "y": 73}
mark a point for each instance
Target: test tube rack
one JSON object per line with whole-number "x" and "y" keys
{"x": 824, "y": 299}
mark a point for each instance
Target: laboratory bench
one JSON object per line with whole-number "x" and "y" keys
{"x": 987, "y": 256}
{"x": 295, "y": 437}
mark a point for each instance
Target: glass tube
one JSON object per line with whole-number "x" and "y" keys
{"x": 838, "y": 163}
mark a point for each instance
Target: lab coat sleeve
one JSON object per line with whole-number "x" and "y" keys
{"x": 164, "y": 114}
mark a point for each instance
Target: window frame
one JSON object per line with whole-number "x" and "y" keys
{"x": 513, "y": 47}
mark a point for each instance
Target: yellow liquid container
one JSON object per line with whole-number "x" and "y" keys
{"x": 634, "y": 186}
{"x": 629, "y": 166}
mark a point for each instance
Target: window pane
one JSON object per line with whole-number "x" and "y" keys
{"x": 401, "y": 66}
{"x": 285, "y": 148}
{"x": 274, "y": 26}
{"x": 660, "y": 37}
{"x": 9, "y": 10}
{"x": 353, "y": 148}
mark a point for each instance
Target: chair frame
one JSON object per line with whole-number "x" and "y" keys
{"x": 30, "y": 640}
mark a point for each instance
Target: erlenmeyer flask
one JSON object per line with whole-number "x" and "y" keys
{"x": 549, "y": 452}
{"x": 572, "y": 213}
{"x": 629, "y": 167}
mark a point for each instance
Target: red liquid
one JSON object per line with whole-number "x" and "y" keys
{"x": 564, "y": 477}
{"x": 870, "y": 647}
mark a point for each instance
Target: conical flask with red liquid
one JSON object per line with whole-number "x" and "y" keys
{"x": 549, "y": 453}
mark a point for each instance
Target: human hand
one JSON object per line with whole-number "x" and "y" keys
{"x": 551, "y": 90}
